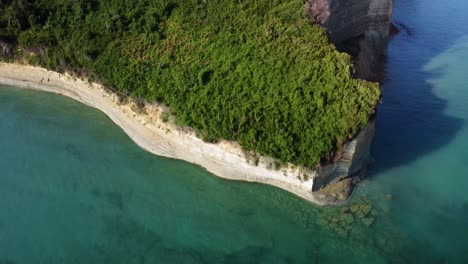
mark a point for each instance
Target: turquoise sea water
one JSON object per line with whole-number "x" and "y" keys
{"x": 75, "y": 189}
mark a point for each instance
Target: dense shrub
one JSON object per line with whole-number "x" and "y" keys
{"x": 256, "y": 72}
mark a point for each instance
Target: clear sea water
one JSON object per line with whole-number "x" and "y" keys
{"x": 75, "y": 189}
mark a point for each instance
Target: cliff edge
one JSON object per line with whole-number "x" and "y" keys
{"x": 253, "y": 139}
{"x": 358, "y": 27}
{"x": 362, "y": 29}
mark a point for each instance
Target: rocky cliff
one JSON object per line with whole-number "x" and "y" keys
{"x": 362, "y": 29}
{"x": 334, "y": 182}
{"x": 358, "y": 27}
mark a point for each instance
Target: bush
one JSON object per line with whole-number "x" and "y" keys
{"x": 256, "y": 72}
{"x": 164, "y": 117}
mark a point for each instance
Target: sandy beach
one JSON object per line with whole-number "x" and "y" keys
{"x": 224, "y": 159}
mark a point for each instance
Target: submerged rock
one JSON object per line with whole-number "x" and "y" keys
{"x": 342, "y": 232}
{"x": 335, "y": 193}
{"x": 354, "y": 208}
{"x": 322, "y": 222}
{"x": 348, "y": 218}
{"x": 368, "y": 221}
{"x": 388, "y": 196}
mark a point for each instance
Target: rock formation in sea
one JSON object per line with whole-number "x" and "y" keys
{"x": 362, "y": 29}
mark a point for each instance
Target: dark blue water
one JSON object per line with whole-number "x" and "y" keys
{"x": 421, "y": 147}
{"x": 75, "y": 189}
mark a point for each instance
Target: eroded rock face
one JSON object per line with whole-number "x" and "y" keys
{"x": 6, "y": 49}
{"x": 358, "y": 27}
{"x": 362, "y": 29}
{"x": 334, "y": 182}
{"x": 347, "y": 19}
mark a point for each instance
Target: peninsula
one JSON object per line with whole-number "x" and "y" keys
{"x": 250, "y": 91}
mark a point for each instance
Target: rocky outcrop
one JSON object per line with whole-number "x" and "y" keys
{"x": 362, "y": 29}
{"x": 334, "y": 182}
{"x": 348, "y": 19}
{"x": 358, "y": 27}
{"x": 6, "y": 49}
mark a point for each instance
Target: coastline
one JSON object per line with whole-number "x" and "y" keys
{"x": 224, "y": 159}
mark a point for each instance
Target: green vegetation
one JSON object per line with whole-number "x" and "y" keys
{"x": 253, "y": 71}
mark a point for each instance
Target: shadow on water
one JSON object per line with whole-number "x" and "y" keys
{"x": 406, "y": 132}
{"x": 412, "y": 121}
{"x": 418, "y": 149}
{"x": 419, "y": 131}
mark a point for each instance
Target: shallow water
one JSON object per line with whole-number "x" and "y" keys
{"x": 75, "y": 189}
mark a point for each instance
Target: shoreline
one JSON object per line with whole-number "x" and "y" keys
{"x": 224, "y": 159}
